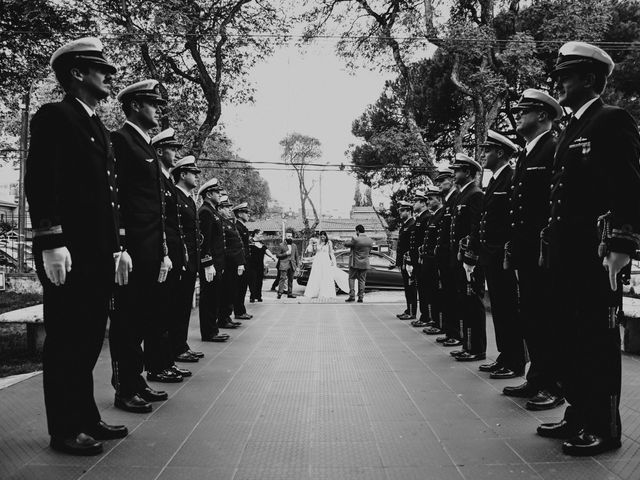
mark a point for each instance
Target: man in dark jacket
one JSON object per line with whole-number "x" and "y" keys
{"x": 143, "y": 234}
{"x": 241, "y": 213}
{"x": 487, "y": 243}
{"x": 71, "y": 189}
{"x": 600, "y": 146}
{"x": 405, "y": 210}
{"x": 211, "y": 262}
{"x": 185, "y": 174}
{"x": 529, "y": 213}
{"x": 416, "y": 239}
{"x": 465, "y": 218}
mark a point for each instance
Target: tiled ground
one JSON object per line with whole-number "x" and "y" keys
{"x": 308, "y": 391}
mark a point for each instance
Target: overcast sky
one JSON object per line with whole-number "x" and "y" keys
{"x": 312, "y": 93}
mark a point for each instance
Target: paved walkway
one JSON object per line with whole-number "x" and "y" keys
{"x": 306, "y": 391}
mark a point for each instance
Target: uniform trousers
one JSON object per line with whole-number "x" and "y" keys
{"x": 180, "y": 305}
{"x": 241, "y": 292}
{"x": 503, "y": 295}
{"x": 410, "y": 294}
{"x": 209, "y": 305}
{"x": 448, "y": 296}
{"x": 471, "y": 309}
{"x": 230, "y": 282}
{"x": 256, "y": 278}
{"x": 537, "y": 325}
{"x": 75, "y": 317}
{"x": 138, "y": 317}
{"x": 589, "y": 358}
{"x": 428, "y": 290}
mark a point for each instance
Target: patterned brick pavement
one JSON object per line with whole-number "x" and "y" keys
{"x": 319, "y": 391}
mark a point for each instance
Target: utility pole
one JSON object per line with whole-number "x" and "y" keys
{"x": 24, "y": 143}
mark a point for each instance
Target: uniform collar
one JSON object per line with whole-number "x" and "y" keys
{"x": 86, "y": 107}
{"x": 165, "y": 172}
{"x": 448, "y": 195}
{"x": 465, "y": 187}
{"x": 497, "y": 173}
{"x": 584, "y": 108}
{"x": 188, "y": 194}
{"x": 146, "y": 137}
{"x": 529, "y": 146}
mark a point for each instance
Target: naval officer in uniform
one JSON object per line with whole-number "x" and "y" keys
{"x": 405, "y": 210}
{"x": 71, "y": 188}
{"x": 241, "y": 213}
{"x": 588, "y": 243}
{"x": 535, "y": 113}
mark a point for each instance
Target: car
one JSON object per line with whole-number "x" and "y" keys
{"x": 384, "y": 274}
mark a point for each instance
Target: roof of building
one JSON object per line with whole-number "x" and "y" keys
{"x": 8, "y": 203}
{"x": 326, "y": 224}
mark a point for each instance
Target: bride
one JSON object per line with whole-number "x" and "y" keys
{"x": 324, "y": 272}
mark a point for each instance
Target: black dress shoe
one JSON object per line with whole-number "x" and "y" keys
{"x": 195, "y": 354}
{"x": 244, "y": 316}
{"x": 291, "y": 296}
{"x": 544, "y": 400}
{"x": 588, "y": 444}
{"x": 259, "y": 300}
{"x": 441, "y": 339}
{"x": 102, "y": 431}
{"x": 470, "y": 357}
{"x": 489, "y": 367}
{"x": 432, "y": 331}
{"x": 134, "y": 404}
{"x": 503, "y": 373}
{"x": 360, "y": 300}
{"x": 451, "y": 342}
{"x": 217, "y": 338}
{"x": 165, "y": 376}
{"x": 279, "y": 296}
{"x": 431, "y": 323}
{"x": 81, "y": 444}
{"x": 523, "y": 390}
{"x": 181, "y": 371}
{"x": 251, "y": 300}
{"x": 228, "y": 325}
{"x": 237, "y": 324}
{"x": 455, "y": 353}
{"x": 187, "y": 358}
{"x": 350, "y": 299}
{"x": 407, "y": 316}
{"x": 418, "y": 324}
{"x": 151, "y": 395}
{"x": 402, "y": 314}
{"x": 561, "y": 429}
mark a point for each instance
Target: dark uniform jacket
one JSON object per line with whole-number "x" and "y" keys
{"x": 243, "y": 231}
{"x": 417, "y": 234}
{"x": 212, "y": 246}
{"x": 70, "y": 184}
{"x": 465, "y": 217}
{"x": 404, "y": 234}
{"x": 140, "y": 185}
{"x": 529, "y": 210}
{"x": 431, "y": 238}
{"x": 443, "y": 240}
{"x": 233, "y": 246}
{"x": 492, "y": 232}
{"x": 596, "y": 172}
{"x": 173, "y": 225}
{"x": 190, "y": 228}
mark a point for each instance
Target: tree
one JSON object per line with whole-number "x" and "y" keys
{"x": 367, "y": 201}
{"x": 357, "y": 195}
{"x": 298, "y": 151}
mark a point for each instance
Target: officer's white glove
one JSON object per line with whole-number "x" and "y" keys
{"x": 209, "y": 273}
{"x": 57, "y": 263}
{"x": 240, "y": 270}
{"x": 468, "y": 270}
{"x": 124, "y": 265}
{"x": 409, "y": 269}
{"x": 165, "y": 267}
{"x": 613, "y": 263}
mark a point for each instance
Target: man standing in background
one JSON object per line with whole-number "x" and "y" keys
{"x": 360, "y": 246}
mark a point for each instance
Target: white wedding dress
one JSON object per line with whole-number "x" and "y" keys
{"x": 324, "y": 275}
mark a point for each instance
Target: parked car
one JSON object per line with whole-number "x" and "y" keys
{"x": 383, "y": 273}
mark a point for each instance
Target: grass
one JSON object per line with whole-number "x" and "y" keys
{"x": 15, "y": 357}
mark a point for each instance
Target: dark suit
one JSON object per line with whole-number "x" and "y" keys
{"x": 429, "y": 267}
{"x": 233, "y": 258}
{"x": 138, "y": 308}
{"x": 465, "y": 218}
{"x": 211, "y": 253}
{"x": 601, "y": 149}
{"x": 287, "y": 265}
{"x": 416, "y": 240}
{"x": 360, "y": 247}
{"x": 488, "y": 243}
{"x": 179, "y": 327}
{"x": 70, "y": 186}
{"x": 243, "y": 280}
{"x": 408, "y": 281}
{"x": 529, "y": 214}
{"x": 447, "y": 272}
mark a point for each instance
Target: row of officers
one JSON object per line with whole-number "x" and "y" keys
{"x": 118, "y": 236}
{"x": 550, "y": 239}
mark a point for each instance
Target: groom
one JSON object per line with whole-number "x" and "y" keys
{"x": 360, "y": 246}
{"x": 288, "y": 259}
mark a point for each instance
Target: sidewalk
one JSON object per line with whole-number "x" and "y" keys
{"x": 304, "y": 391}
